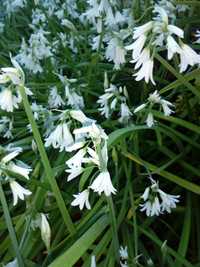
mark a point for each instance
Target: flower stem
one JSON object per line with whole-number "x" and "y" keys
{"x": 49, "y": 172}
{"x": 114, "y": 227}
{"x": 10, "y": 227}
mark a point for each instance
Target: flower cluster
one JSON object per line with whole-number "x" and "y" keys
{"x": 156, "y": 34}
{"x": 114, "y": 99}
{"x": 90, "y": 144}
{"x": 152, "y": 100}
{"x": 97, "y": 155}
{"x": 156, "y": 201}
{"x": 9, "y": 169}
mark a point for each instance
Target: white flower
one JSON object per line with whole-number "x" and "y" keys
{"x": 162, "y": 14}
{"x": 102, "y": 183}
{"x": 172, "y": 47}
{"x": 45, "y": 231}
{"x": 188, "y": 57}
{"x": 18, "y": 192}
{"x": 77, "y": 159}
{"x": 151, "y": 208}
{"x": 175, "y": 30}
{"x": 9, "y": 101}
{"x": 77, "y": 145}
{"x": 94, "y": 131}
{"x": 74, "y": 172}
{"x": 82, "y": 199}
{"x": 145, "y": 195}
{"x": 139, "y": 108}
{"x": 123, "y": 252}
{"x": 74, "y": 100}
{"x": 55, "y": 100}
{"x": 154, "y": 97}
{"x": 150, "y": 120}
{"x": 168, "y": 201}
{"x": 137, "y": 46}
{"x": 93, "y": 261}
{"x": 37, "y": 49}
{"x": 156, "y": 201}
{"x": 15, "y": 75}
{"x": 166, "y": 107}
{"x": 138, "y": 31}
{"x": 23, "y": 169}
{"x": 11, "y": 155}
{"x": 142, "y": 58}
{"x": 125, "y": 113}
{"x": 60, "y": 137}
{"x": 80, "y": 116}
{"x": 115, "y": 52}
{"x": 146, "y": 72}
{"x": 93, "y": 156}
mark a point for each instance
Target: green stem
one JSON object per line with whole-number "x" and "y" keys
{"x": 135, "y": 228}
{"x": 47, "y": 166}
{"x": 10, "y": 227}
{"x": 114, "y": 227}
{"x": 180, "y": 77}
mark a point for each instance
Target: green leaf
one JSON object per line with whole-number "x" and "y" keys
{"x": 76, "y": 251}
{"x": 171, "y": 177}
{"x": 115, "y": 136}
{"x": 185, "y": 236}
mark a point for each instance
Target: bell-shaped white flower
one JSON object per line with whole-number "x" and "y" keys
{"x": 9, "y": 101}
{"x": 138, "y": 31}
{"x": 142, "y": 58}
{"x": 125, "y": 113}
{"x": 93, "y": 156}
{"x": 74, "y": 172}
{"x": 123, "y": 253}
{"x": 95, "y": 132}
{"x": 146, "y": 72}
{"x": 61, "y": 137}
{"x": 115, "y": 52}
{"x": 102, "y": 183}
{"x": 151, "y": 208}
{"x": 175, "y": 30}
{"x": 150, "y": 120}
{"x": 55, "y": 100}
{"x": 15, "y": 75}
{"x": 168, "y": 201}
{"x": 172, "y": 47}
{"x": 11, "y": 155}
{"x": 188, "y": 57}
{"x": 45, "y": 231}
{"x": 154, "y": 97}
{"x": 20, "y": 169}
{"x": 80, "y": 116}
{"x": 137, "y": 46}
{"x": 82, "y": 199}
{"x": 77, "y": 145}
{"x": 18, "y": 192}
{"x": 77, "y": 159}
{"x": 166, "y": 107}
